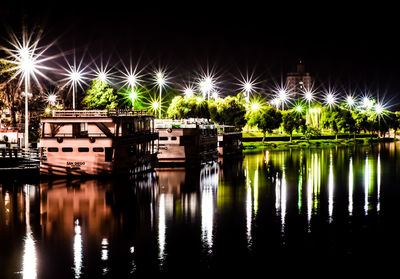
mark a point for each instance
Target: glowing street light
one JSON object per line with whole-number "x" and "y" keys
{"x": 132, "y": 80}
{"x": 367, "y": 103}
{"x": 254, "y": 107}
{"x": 161, "y": 81}
{"x": 283, "y": 97}
{"x": 102, "y": 76}
{"x": 75, "y": 78}
{"x": 206, "y": 86}
{"x": 188, "y": 92}
{"x": 330, "y": 99}
{"x": 248, "y": 87}
{"x": 275, "y": 102}
{"x": 51, "y": 99}
{"x": 350, "y": 101}
{"x": 133, "y": 96}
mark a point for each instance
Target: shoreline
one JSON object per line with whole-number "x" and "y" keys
{"x": 251, "y": 146}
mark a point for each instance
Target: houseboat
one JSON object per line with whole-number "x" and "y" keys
{"x": 97, "y": 142}
{"x": 229, "y": 141}
{"x": 186, "y": 141}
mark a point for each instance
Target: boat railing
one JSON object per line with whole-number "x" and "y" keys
{"x": 183, "y": 123}
{"x": 99, "y": 113}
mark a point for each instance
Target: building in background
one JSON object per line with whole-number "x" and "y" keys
{"x": 298, "y": 82}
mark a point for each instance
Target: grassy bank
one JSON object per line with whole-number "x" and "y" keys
{"x": 314, "y": 143}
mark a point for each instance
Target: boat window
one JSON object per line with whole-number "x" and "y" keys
{"x": 52, "y": 149}
{"x": 83, "y": 149}
{"x": 108, "y": 154}
{"x": 67, "y": 149}
{"x": 163, "y": 138}
{"x": 98, "y": 149}
{"x": 173, "y": 138}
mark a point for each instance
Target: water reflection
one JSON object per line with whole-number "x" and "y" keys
{"x": 195, "y": 219}
{"x": 77, "y": 250}
{"x": 208, "y": 189}
{"x": 29, "y": 265}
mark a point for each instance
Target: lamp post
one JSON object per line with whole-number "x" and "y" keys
{"x": 308, "y": 96}
{"x": 248, "y": 87}
{"x": 379, "y": 111}
{"x": 206, "y": 86}
{"x": 282, "y": 97}
{"x": 75, "y": 78}
{"x": 27, "y": 67}
{"x": 160, "y": 81}
{"x": 132, "y": 80}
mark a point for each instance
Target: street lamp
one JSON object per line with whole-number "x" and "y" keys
{"x": 188, "y": 92}
{"x": 206, "y": 85}
{"x": 350, "y": 101}
{"x": 160, "y": 80}
{"x": 75, "y": 77}
{"x": 283, "y": 96}
{"x": 51, "y": 99}
{"x": 330, "y": 99}
{"x": 247, "y": 86}
{"x": 27, "y": 66}
{"x": 132, "y": 80}
{"x": 379, "y": 111}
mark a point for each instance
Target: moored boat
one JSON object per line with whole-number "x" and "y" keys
{"x": 97, "y": 142}
{"x": 186, "y": 141}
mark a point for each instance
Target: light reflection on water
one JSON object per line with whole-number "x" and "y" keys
{"x": 105, "y": 226}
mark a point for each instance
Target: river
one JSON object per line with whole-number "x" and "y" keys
{"x": 276, "y": 212}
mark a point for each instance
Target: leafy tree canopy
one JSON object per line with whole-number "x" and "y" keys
{"x": 230, "y": 110}
{"x": 100, "y": 96}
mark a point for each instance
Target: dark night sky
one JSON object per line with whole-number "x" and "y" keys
{"x": 352, "y": 47}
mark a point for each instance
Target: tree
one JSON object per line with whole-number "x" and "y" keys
{"x": 291, "y": 121}
{"x": 188, "y": 107}
{"x": 230, "y": 110}
{"x": 100, "y": 96}
{"x": 338, "y": 119}
{"x": 361, "y": 121}
{"x": 329, "y": 120}
{"x": 9, "y": 91}
{"x": 345, "y": 121}
{"x": 266, "y": 120}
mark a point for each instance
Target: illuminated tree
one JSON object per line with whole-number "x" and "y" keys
{"x": 230, "y": 110}
{"x": 266, "y": 120}
{"x": 100, "y": 96}
{"x": 291, "y": 120}
{"x": 188, "y": 107}
{"x": 9, "y": 93}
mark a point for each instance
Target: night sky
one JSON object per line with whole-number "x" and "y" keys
{"x": 347, "y": 47}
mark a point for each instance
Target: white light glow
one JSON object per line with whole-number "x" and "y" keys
{"x": 77, "y": 250}
{"x": 189, "y": 92}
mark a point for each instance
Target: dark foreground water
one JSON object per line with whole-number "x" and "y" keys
{"x": 313, "y": 212}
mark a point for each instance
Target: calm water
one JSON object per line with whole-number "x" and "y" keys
{"x": 277, "y": 212}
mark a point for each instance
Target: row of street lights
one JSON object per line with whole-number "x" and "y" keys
{"x": 27, "y": 63}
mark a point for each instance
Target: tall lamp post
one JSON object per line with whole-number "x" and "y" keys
{"x": 160, "y": 82}
{"x": 75, "y": 78}
{"x": 206, "y": 86}
{"x": 132, "y": 80}
{"x": 283, "y": 96}
{"x": 379, "y": 111}
{"x": 27, "y": 67}
{"x": 308, "y": 96}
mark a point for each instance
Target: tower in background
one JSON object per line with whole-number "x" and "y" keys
{"x": 298, "y": 82}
